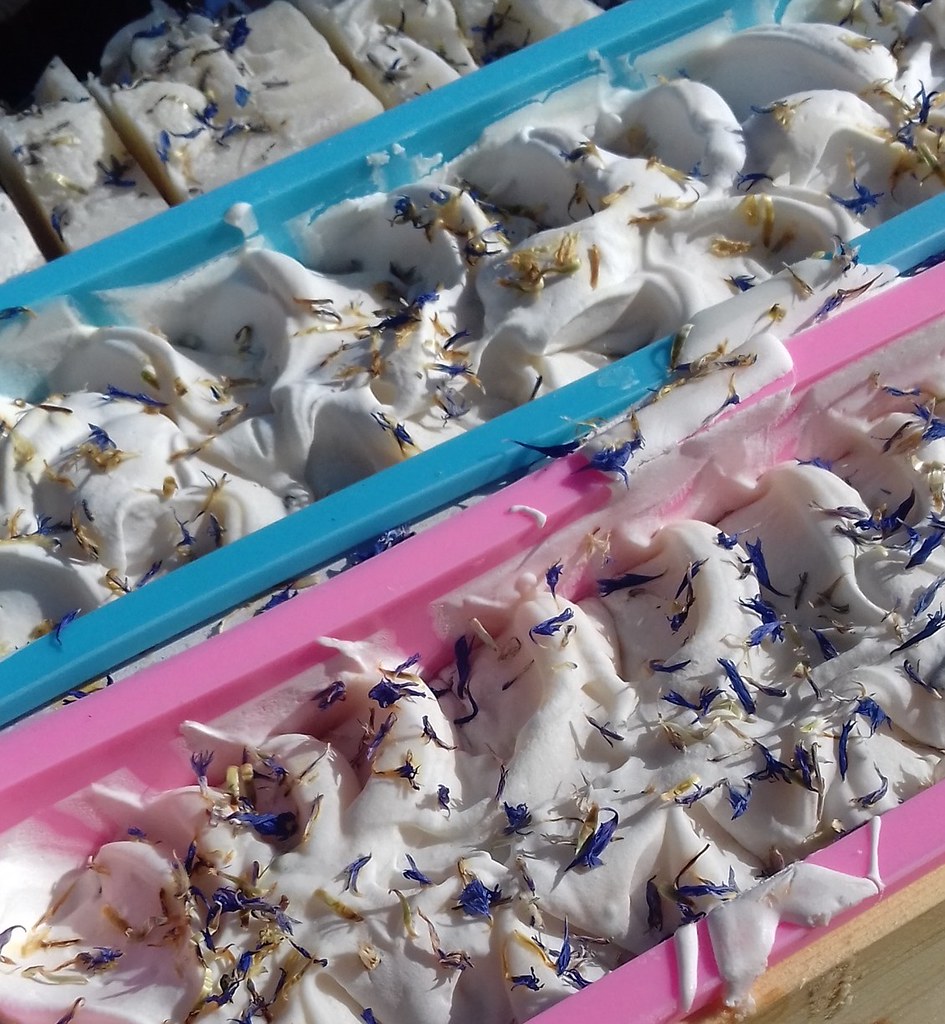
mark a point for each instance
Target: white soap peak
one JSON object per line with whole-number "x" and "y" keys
{"x": 686, "y": 941}
{"x": 533, "y": 513}
{"x": 874, "y": 875}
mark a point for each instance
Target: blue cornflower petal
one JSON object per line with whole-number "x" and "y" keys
{"x": 842, "y": 758}
{"x": 549, "y": 627}
{"x": 552, "y": 451}
{"x": 563, "y": 959}
{"x": 654, "y": 906}
{"x": 386, "y": 692}
{"x": 756, "y": 560}
{"x": 461, "y": 651}
{"x": 518, "y": 815}
{"x": 927, "y": 596}
{"x": 352, "y": 871}
{"x": 279, "y": 597}
{"x": 827, "y": 649}
{"x": 476, "y": 900}
{"x": 912, "y": 674}
{"x": 200, "y": 761}
{"x": 414, "y": 873}
{"x": 931, "y": 542}
{"x": 861, "y": 202}
{"x": 805, "y": 766}
{"x": 738, "y": 685}
{"x": 773, "y": 769}
{"x": 934, "y": 624}
{"x": 529, "y": 980}
{"x": 279, "y": 826}
{"x": 239, "y": 33}
{"x": 588, "y": 855}
{"x": 98, "y": 959}
{"x": 672, "y": 697}
{"x": 873, "y": 713}
{"x": 628, "y": 581}
{"x": 614, "y": 458}
{"x": 659, "y": 666}
{"x": 163, "y": 147}
{"x": 9, "y": 312}
{"x": 331, "y": 694}
{"x": 739, "y": 799}
{"x": 868, "y": 799}
{"x": 817, "y": 462}
{"x": 65, "y": 621}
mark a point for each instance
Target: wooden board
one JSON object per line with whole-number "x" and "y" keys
{"x": 883, "y": 967}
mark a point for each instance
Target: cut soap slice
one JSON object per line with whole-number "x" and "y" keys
{"x": 68, "y": 170}
{"x": 18, "y": 251}
{"x": 498, "y": 27}
{"x": 205, "y": 102}
{"x": 398, "y": 50}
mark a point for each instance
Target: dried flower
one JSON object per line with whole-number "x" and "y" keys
{"x": 739, "y": 799}
{"x": 654, "y": 906}
{"x": 200, "y": 761}
{"x": 477, "y": 901}
{"x": 352, "y": 871}
{"x": 414, "y": 873}
{"x": 239, "y": 33}
{"x": 588, "y": 854}
{"x": 932, "y": 626}
{"x": 869, "y": 799}
{"x": 281, "y": 826}
{"x": 518, "y": 816}
{"x": 756, "y": 561}
{"x": 614, "y": 458}
{"x": 101, "y": 958}
{"x": 551, "y": 626}
{"x": 606, "y": 732}
{"x": 861, "y": 202}
{"x": 738, "y": 685}
{"x": 529, "y": 980}
{"x": 827, "y": 649}
{"x": 387, "y": 692}
{"x": 629, "y": 581}
{"x": 552, "y": 451}
{"x": 773, "y": 769}
{"x": 331, "y": 694}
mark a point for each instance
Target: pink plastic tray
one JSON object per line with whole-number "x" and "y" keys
{"x": 419, "y": 597}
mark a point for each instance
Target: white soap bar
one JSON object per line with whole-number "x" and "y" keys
{"x": 397, "y": 49}
{"x": 498, "y": 27}
{"x": 66, "y": 165}
{"x": 203, "y": 102}
{"x": 18, "y": 250}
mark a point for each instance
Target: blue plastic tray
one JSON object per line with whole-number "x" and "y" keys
{"x": 444, "y": 122}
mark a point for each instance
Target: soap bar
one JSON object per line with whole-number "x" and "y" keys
{"x": 18, "y": 251}
{"x": 202, "y": 102}
{"x": 496, "y": 28}
{"x": 397, "y": 50}
{"x": 67, "y": 167}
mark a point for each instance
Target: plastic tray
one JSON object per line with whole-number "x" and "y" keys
{"x": 443, "y": 122}
{"x": 419, "y": 596}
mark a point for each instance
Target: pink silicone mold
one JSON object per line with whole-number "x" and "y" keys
{"x": 410, "y": 597}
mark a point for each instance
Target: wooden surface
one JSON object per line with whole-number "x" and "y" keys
{"x": 885, "y": 967}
